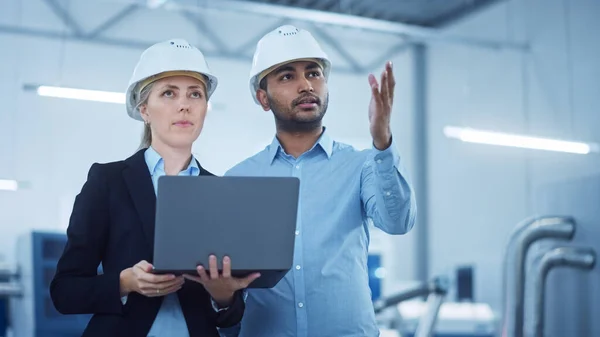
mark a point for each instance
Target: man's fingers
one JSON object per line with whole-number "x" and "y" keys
{"x": 391, "y": 81}
{"x": 202, "y": 274}
{"x": 374, "y": 88}
{"x": 226, "y": 266}
{"x": 245, "y": 282}
{"x": 212, "y": 265}
{"x": 384, "y": 87}
{"x": 194, "y": 278}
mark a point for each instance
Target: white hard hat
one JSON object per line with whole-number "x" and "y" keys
{"x": 175, "y": 55}
{"x": 283, "y": 45}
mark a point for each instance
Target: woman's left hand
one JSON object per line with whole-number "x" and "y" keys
{"x": 221, "y": 287}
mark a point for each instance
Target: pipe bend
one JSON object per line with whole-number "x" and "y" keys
{"x": 573, "y": 257}
{"x": 526, "y": 232}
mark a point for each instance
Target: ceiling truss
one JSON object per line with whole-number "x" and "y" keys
{"x": 220, "y": 48}
{"x": 411, "y": 35}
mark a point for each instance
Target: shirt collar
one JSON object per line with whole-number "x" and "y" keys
{"x": 155, "y": 162}
{"x": 325, "y": 142}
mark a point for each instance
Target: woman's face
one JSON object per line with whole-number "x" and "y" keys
{"x": 176, "y": 109}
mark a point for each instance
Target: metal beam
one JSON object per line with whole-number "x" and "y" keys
{"x": 461, "y": 12}
{"x": 329, "y": 6}
{"x": 417, "y": 34}
{"x": 338, "y": 48}
{"x": 53, "y": 35}
{"x": 112, "y": 21}
{"x": 421, "y": 168}
{"x": 221, "y": 49}
{"x": 125, "y": 43}
{"x": 397, "y": 49}
{"x": 286, "y": 2}
{"x": 311, "y": 3}
{"x": 251, "y": 43}
{"x": 64, "y": 16}
{"x": 204, "y": 30}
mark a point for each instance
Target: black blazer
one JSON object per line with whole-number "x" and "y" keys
{"x": 113, "y": 223}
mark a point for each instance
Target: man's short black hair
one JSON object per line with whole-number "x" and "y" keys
{"x": 263, "y": 84}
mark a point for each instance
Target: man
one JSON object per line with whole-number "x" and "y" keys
{"x": 327, "y": 291}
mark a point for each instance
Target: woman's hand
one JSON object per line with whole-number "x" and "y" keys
{"x": 139, "y": 279}
{"x": 221, "y": 287}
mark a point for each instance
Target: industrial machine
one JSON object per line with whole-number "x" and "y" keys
{"x": 9, "y": 287}
{"x": 551, "y": 281}
{"x": 409, "y": 314}
{"x": 419, "y": 311}
{"x": 33, "y": 314}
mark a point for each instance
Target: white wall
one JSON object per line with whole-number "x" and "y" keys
{"x": 51, "y": 143}
{"x": 478, "y": 192}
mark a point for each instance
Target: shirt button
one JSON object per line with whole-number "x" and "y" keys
{"x": 378, "y": 161}
{"x": 300, "y": 304}
{"x": 388, "y": 193}
{"x": 298, "y": 267}
{"x": 297, "y": 166}
{"x": 297, "y": 232}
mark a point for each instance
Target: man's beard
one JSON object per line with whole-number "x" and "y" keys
{"x": 287, "y": 122}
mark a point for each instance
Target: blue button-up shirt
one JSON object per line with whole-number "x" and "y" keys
{"x": 170, "y": 320}
{"x": 326, "y": 293}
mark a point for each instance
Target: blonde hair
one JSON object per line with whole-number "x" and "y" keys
{"x": 143, "y": 99}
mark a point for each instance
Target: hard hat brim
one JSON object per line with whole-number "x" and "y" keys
{"x": 257, "y": 78}
{"x": 130, "y": 96}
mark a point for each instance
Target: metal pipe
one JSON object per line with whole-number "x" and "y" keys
{"x": 438, "y": 285}
{"x": 581, "y": 258}
{"x": 420, "y": 179}
{"x": 526, "y": 233}
{"x": 418, "y": 291}
{"x": 428, "y": 320}
{"x": 8, "y": 271}
{"x": 10, "y": 289}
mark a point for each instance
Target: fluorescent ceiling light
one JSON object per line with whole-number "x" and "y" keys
{"x": 81, "y": 94}
{"x": 528, "y": 142}
{"x": 8, "y": 185}
{"x": 155, "y": 3}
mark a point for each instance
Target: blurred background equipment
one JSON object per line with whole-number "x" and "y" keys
{"x": 33, "y": 314}
{"x": 495, "y": 118}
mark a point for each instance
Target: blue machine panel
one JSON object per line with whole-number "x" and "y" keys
{"x": 3, "y": 317}
{"x": 47, "y": 249}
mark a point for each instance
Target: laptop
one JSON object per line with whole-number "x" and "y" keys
{"x": 250, "y": 219}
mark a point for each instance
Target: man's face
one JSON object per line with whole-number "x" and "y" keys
{"x": 297, "y": 95}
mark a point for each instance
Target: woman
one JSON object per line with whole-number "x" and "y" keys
{"x": 113, "y": 217}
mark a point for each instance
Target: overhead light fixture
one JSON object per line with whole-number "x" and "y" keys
{"x": 153, "y": 4}
{"x": 8, "y": 185}
{"x": 505, "y": 139}
{"x": 80, "y": 94}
